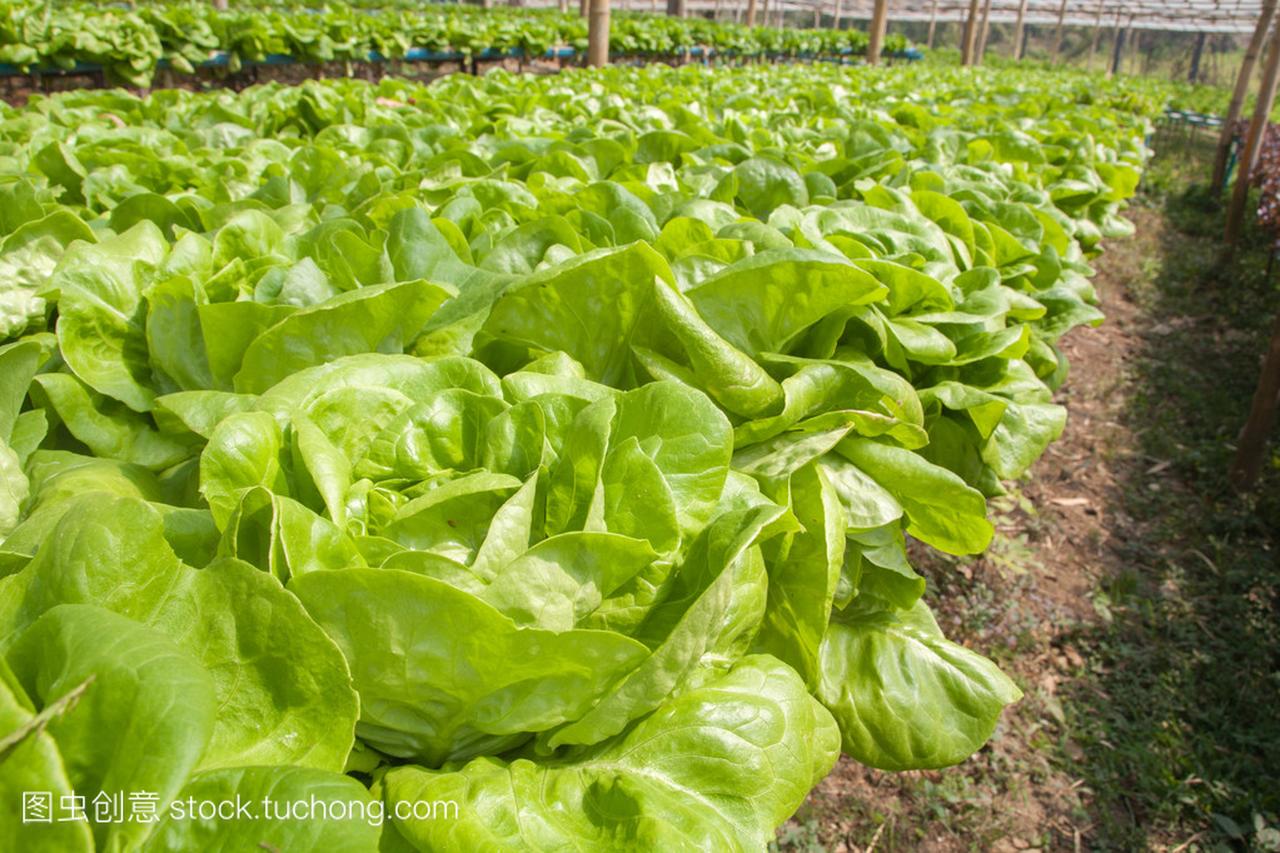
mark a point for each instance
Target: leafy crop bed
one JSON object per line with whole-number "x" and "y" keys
{"x": 544, "y": 446}
{"x": 132, "y": 44}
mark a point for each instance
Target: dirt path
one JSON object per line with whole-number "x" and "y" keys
{"x": 1023, "y": 604}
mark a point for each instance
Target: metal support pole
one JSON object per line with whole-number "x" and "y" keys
{"x": 1117, "y": 51}
{"x": 1196, "y": 54}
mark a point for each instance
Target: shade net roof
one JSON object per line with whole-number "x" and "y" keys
{"x": 1207, "y": 16}
{"x": 1212, "y": 16}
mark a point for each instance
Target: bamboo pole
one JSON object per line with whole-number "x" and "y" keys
{"x": 1019, "y": 30}
{"x": 983, "y": 32}
{"x": 879, "y": 21}
{"x": 1135, "y": 50}
{"x": 835, "y": 24}
{"x": 933, "y": 23}
{"x": 1253, "y": 143}
{"x": 1251, "y": 448}
{"x": 598, "y": 34}
{"x": 1241, "y": 91}
{"x": 1097, "y": 32}
{"x": 970, "y": 34}
{"x": 1057, "y": 40}
{"x": 817, "y": 13}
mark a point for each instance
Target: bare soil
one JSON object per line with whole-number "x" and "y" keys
{"x": 16, "y": 90}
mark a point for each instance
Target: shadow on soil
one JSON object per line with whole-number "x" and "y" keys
{"x": 1177, "y": 712}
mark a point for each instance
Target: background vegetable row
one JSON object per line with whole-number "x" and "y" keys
{"x": 550, "y": 445}
{"x": 131, "y": 43}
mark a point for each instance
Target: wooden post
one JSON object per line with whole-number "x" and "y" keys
{"x": 676, "y": 8}
{"x": 1117, "y": 50}
{"x": 835, "y": 24}
{"x": 933, "y": 24}
{"x": 764, "y": 13}
{"x": 1135, "y": 49}
{"x": 983, "y": 32}
{"x": 598, "y": 34}
{"x": 1243, "y": 80}
{"x": 1019, "y": 30}
{"x": 1057, "y": 40}
{"x": 584, "y": 8}
{"x": 1251, "y": 449}
{"x": 970, "y": 44}
{"x": 1097, "y": 31}
{"x": 1196, "y": 53}
{"x": 715, "y": 12}
{"x": 879, "y": 20}
{"x": 564, "y": 7}
{"x": 1253, "y": 143}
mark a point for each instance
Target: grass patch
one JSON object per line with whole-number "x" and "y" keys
{"x": 1178, "y": 715}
